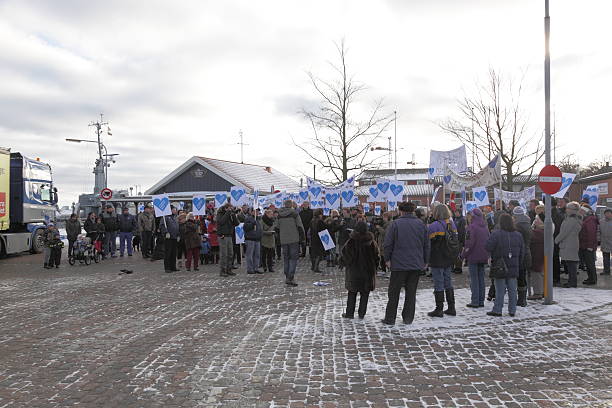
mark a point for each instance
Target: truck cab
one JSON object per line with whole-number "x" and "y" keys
{"x": 30, "y": 202}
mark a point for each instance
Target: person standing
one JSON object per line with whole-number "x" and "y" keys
{"x": 268, "y": 239}
{"x": 507, "y": 249}
{"x": 558, "y": 215}
{"x": 146, "y": 226}
{"x": 380, "y": 231}
{"x": 192, "y": 243}
{"x": 605, "y": 229}
{"x": 522, "y": 224}
{"x": 181, "y": 250}
{"x": 291, "y": 234}
{"x": 109, "y": 219}
{"x": 360, "y": 257}
{"x": 213, "y": 239}
{"x": 317, "y": 250}
{"x": 127, "y": 225}
{"x": 90, "y": 226}
{"x": 306, "y": 217}
{"x": 406, "y": 252}
{"x": 569, "y": 242}
{"x": 253, "y": 232}
{"x": 169, "y": 229}
{"x": 442, "y": 259}
{"x": 537, "y": 258}
{"x": 460, "y": 223}
{"x": 588, "y": 243}
{"x": 476, "y": 255}
{"x": 226, "y": 221}
{"x": 73, "y": 229}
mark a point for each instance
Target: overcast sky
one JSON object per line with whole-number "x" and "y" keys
{"x": 181, "y": 78}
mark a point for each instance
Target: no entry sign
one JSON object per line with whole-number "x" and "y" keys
{"x": 106, "y": 194}
{"x": 550, "y": 179}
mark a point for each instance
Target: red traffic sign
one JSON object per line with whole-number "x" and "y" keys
{"x": 550, "y": 179}
{"x": 106, "y": 194}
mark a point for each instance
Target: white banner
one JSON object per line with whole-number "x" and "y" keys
{"x": 383, "y": 189}
{"x": 348, "y": 197}
{"x": 396, "y": 191}
{"x": 332, "y": 198}
{"x": 198, "y": 204}
{"x": 566, "y": 181}
{"x": 314, "y": 204}
{"x": 240, "y": 233}
{"x": 315, "y": 189}
{"x": 487, "y": 176}
{"x": 373, "y": 194}
{"x": 161, "y": 205}
{"x": 522, "y": 197}
{"x": 302, "y": 196}
{"x": 455, "y": 159}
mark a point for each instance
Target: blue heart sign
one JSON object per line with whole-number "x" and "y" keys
{"x": 447, "y": 179}
{"x": 240, "y": 233}
{"x": 161, "y": 205}
{"x": 304, "y": 195}
{"x": 431, "y": 171}
{"x": 347, "y": 196}
{"x": 383, "y": 187}
{"x": 374, "y": 192}
{"x": 198, "y": 205}
{"x": 366, "y": 207}
{"x": 397, "y": 190}
{"x": 315, "y": 192}
{"x": 326, "y": 240}
{"x": 238, "y": 195}
{"x": 220, "y": 199}
{"x": 480, "y": 196}
{"x": 470, "y": 205}
{"x": 331, "y": 198}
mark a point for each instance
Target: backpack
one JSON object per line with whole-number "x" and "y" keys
{"x": 451, "y": 242}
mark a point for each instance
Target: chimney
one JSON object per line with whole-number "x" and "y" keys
{"x": 268, "y": 169}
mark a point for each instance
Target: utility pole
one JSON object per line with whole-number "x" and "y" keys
{"x": 242, "y": 144}
{"x": 548, "y": 224}
{"x": 395, "y": 150}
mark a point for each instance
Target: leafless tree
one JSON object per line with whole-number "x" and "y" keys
{"x": 342, "y": 142}
{"x": 492, "y": 122}
{"x": 570, "y": 164}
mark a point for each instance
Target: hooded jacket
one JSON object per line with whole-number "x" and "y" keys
{"x": 476, "y": 239}
{"x": 360, "y": 257}
{"x": 291, "y": 230}
{"x": 568, "y": 238}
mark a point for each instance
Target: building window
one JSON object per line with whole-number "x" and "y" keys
{"x": 421, "y": 182}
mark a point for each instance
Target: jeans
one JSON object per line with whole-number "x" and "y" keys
{"x": 110, "y": 243}
{"x": 500, "y": 290}
{"x": 146, "y": 243}
{"x": 409, "y": 280}
{"x": 170, "y": 254}
{"x": 442, "y": 278}
{"x": 477, "y": 283}
{"x": 589, "y": 262}
{"x": 253, "y": 251}
{"x": 226, "y": 247}
{"x": 125, "y": 238}
{"x": 352, "y": 300}
{"x": 606, "y": 262}
{"x": 572, "y": 270}
{"x": 291, "y": 253}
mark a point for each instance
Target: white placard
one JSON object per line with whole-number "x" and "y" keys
{"x": 391, "y": 205}
{"x": 220, "y": 199}
{"x": 366, "y": 207}
{"x": 396, "y": 191}
{"x": 348, "y": 197}
{"x": 470, "y": 205}
{"x": 332, "y": 198}
{"x": 161, "y": 205}
{"x": 455, "y": 159}
{"x": 522, "y": 196}
{"x": 326, "y": 240}
{"x": 566, "y": 181}
{"x": 377, "y": 210}
{"x": 240, "y": 233}
{"x": 238, "y": 196}
{"x": 373, "y": 194}
{"x": 198, "y": 204}
{"x": 481, "y": 197}
{"x": 592, "y": 195}
{"x": 383, "y": 186}
{"x": 315, "y": 190}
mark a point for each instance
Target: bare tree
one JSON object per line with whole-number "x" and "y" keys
{"x": 570, "y": 164}
{"x": 341, "y": 143}
{"x": 492, "y": 122}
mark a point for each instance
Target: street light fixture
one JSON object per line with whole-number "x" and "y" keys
{"x": 314, "y": 170}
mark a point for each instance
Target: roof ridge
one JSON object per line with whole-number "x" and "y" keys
{"x": 233, "y": 162}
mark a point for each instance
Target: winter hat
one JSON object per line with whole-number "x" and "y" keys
{"x": 518, "y": 211}
{"x": 572, "y": 208}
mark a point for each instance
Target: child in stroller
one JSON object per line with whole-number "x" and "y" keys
{"x": 82, "y": 252}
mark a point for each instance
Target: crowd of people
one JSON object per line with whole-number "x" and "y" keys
{"x": 401, "y": 245}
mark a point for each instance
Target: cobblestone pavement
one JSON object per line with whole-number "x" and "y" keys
{"x": 86, "y": 336}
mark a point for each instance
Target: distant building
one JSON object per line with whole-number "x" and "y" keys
{"x": 207, "y": 175}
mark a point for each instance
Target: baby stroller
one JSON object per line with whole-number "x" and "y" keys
{"x": 83, "y": 251}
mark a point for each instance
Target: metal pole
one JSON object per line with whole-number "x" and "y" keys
{"x": 395, "y": 150}
{"x": 548, "y": 224}
{"x": 473, "y": 145}
{"x": 314, "y": 172}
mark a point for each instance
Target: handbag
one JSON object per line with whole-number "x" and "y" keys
{"x": 499, "y": 269}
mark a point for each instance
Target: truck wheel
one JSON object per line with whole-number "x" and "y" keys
{"x": 38, "y": 244}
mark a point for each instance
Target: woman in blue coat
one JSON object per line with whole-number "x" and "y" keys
{"x": 506, "y": 244}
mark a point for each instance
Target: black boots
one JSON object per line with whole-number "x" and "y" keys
{"x": 522, "y": 296}
{"x": 438, "y": 311}
{"x": 315, "y": 264}
{"x": 450, "y": 299}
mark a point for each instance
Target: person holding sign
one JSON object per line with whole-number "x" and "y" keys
{"x": 360, "y": 257}
{"x": 226, "y": 221}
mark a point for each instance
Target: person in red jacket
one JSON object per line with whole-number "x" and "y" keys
{"x": 588, "y": 243}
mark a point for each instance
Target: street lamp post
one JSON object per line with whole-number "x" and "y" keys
{"x": 314, "y": 170}
{"x": 548, "y": 224}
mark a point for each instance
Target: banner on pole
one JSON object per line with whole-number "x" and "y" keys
{"x": 566, "y": 181}
{"x": 487, "y": 176}
{"x": 455, "y": 159}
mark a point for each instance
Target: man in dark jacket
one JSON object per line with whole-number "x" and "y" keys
{"x": 306, "y": 217}
{"x": 127, "y": 226}
{"x": 253, "y": 232}
{"x": 109, "y": 219}
{"x": 406, "y": 253}
{"x": 291, "y": 233}
{"x": 523, "y": 225}
{"x": 226, "y": 223}
{"x": 169, "y": 228}
{"x": 73, "y": 229}
{"x": 146, "y": 226}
